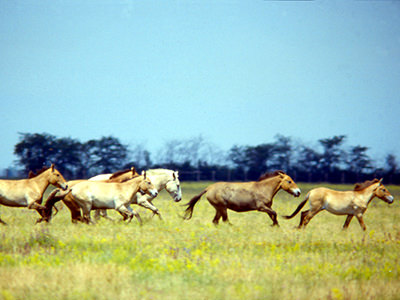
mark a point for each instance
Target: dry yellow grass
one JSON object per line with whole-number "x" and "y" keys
{"x": 176, "y": 259}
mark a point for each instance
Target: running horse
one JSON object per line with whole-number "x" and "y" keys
{"x": 29, "y": 192}
{"x": 110, "y": 195}
{"x": 161, "y": 179}
{"x": 245, "y": 196}
{"x": 69, "y": 201}
{"x": 350, "y": 203}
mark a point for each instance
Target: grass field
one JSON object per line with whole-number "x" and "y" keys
{"x": 176, "y": 259}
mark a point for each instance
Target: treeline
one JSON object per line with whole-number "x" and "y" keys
{"x": 330, "y": 160}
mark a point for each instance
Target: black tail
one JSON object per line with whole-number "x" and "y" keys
{"x": 297, "y": 209}
{"x": 189, "y": 211}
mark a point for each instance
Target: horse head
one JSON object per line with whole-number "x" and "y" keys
{"x": 288, "y": 184}
{"x": 382, "y": 193}
{"x": 146, "y": 187}
{"x": 56, "y": 179}
{"x": 173, "y": 187}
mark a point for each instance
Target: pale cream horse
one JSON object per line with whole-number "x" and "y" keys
{"x": 245, "y": 196}
{"x": 29, "y": 192}
{"x": 350, "y": 203}
{"x": 111, "y": 195}
{"x": 161, "y": 179}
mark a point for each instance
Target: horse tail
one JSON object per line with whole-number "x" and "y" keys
{"x": 298, "y": 208}
{"x": 189, "y": 211}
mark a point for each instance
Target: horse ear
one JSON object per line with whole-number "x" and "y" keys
{"x": 52, "y": 167}
{"x": 144, "y": 174}
{"x": 133, "y": 170}
{"x": 174, "y": 175}
{"x": 380, "y": 181}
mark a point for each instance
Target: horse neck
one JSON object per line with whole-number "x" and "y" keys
{"x": 271, "y": 186}
{"x": 159, "y": 180}
{"x": 41, "y": 181}
{"x": 367, "y": 194}
{"x": 134, "y": 184}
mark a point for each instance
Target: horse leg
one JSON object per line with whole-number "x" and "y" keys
{"x": 74, "y": 209}
{"x": 128, "y": 215}
{"x": 308, "y": 216}
{"x": 224, "y": 214}
{"x": 41, "y": 211}
{"x": 347, "y": 222}
{"x": 136, "y": 214}
{"x": 96, "y": 214}
{"x": 86, "y": 208}
{"x": 271, "y": 213}
{"x": 361, "y": 221}
{"x": 101, "y": 213}
{"x": 217, "y": 217}
{"x": 142, "y": 201}
{"x": 303, "y": 215}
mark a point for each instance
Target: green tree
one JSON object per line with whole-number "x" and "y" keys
{"x": 358, "y": 161}
{"x": 333, "y": 156}
{"x": 35, "y": 150}
{"x": 283, "y": 153}
{"x": 105, "y": 155}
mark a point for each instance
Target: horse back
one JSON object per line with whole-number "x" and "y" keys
{"x": 337, "y": 202}
{"x": 16, "y": 193}
{"x": 238, "y": 196}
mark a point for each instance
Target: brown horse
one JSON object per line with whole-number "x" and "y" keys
{"x": 350, "y": 203}
{"x": 245, "y": 196}
{"x": 29, "y": 192}
{"x": 69, "y": 201}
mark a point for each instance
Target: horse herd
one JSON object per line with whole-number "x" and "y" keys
{"x": 121, "y": 189}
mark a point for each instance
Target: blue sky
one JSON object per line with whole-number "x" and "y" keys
{"x": 235, "y": 72}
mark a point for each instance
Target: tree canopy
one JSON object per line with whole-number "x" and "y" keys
{"x": 329, "y": 160}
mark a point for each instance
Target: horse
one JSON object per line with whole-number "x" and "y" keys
{"x": 350, "y": 203}
{"x": 29, "y": 192}
{"x": 245, "y": 196}
{"x": 69, "y": 201}
{"x": 161, "y": 179}
{"x": 111, "y": 195}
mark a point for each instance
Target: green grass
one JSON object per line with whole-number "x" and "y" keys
{"x": 176, "y": 259}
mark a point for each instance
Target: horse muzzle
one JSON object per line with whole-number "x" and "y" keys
{"x": 64, "y": 186}
{"x": 153, "y": 193}
{"x": 296, "y": 192}
{"x": 177, "y": 198}
{"x": 389, "y": 199}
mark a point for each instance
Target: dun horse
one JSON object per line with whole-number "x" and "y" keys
{"x": 69, "y": 201}
{"x": 245, "y": 196}
{"x": 29, "y": 192}
{"x": 161, "y": 179}
{"x": 350, "y": 203}
{"x": 111, "y": 195}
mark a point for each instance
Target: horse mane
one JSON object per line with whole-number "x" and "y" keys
{"x": 32, "y": 174}
{"x": 271, "y": 174}
{"x": 118, "y": 173}
{"x": 365, "y": 184}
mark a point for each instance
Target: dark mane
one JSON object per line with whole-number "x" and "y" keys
{"x": 365, "y": 184}
{"x": 118, "y": 173}
{"x": 271, "y": 174}
{"x": 32, "y": 174}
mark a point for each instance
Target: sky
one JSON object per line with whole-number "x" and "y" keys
{"x": 233, "y": 72}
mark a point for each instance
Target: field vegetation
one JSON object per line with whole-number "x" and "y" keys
{"x": 176, "y": 259}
